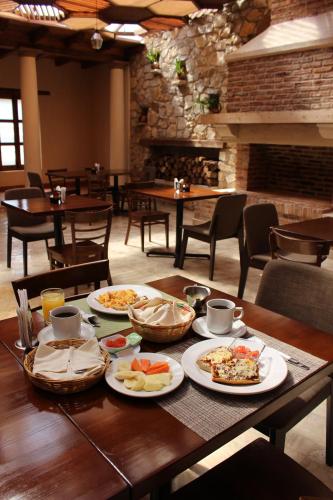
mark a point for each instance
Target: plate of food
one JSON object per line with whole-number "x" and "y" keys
{"x": 232, "y": 366}
{"x": 115, "y": 299}
{"x": 144, "y": 375}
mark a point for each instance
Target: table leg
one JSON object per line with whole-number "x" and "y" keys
{"x": 58, "y": 236}
{"x": 77, "y": 186}
{"x": 179, "y": 223}
{"x": 115, "y": 194}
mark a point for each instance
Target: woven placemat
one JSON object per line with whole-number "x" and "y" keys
{"x": 209, "y": 413}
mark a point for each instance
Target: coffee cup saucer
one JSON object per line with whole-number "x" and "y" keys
{"x": 199, "y": 325}
{"x": 47, "y": 334}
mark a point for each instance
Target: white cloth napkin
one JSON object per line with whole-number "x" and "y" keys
{"x": 161, "y": 314}
{"x": 64, "y": 364}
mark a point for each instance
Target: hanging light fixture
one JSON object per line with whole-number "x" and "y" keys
{"x": 96, "y": 40}
{"x": 43, "y": 10}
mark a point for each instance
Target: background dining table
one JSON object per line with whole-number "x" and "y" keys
{"x": 168, "y": 193}
{"x": 312, "y": 228}
{"x": 142, "y": 441}
{"x": 43, "y": 206}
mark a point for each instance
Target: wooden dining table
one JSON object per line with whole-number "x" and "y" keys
{"x": 168, "y": 193}
{"x": 43, "y": 206}
{"x": 313, "y": 228}
{"x": 135, "y": 438}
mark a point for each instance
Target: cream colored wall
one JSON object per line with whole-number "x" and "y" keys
{"x": 74, "y": 117}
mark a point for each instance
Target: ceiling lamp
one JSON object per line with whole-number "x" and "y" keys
{"x": 96, "y": 40}
{"x": 44, "y": 10}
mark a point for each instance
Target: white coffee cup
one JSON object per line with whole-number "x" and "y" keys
{"x": 66, "y": 322}
{"x": 63, "y": 194}
{"x": 221, "y": 315}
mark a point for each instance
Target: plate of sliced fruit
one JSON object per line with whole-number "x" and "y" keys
{"x": 144, "y": 375}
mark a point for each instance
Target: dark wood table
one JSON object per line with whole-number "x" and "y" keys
{"x": 43, "y": 454}
{"x": 313, "y": 228}
{"x": 43, "y": 206}
{"x": 168, "y": 193}
{"x": 142, "y": 441}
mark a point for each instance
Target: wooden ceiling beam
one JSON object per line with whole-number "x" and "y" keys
{"x": 60, "y": 61}
{"x": 78, "y": 36}
{"x": 37, "y": 34}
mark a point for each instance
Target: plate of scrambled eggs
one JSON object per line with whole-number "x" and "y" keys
{"x": 115, "y": 299}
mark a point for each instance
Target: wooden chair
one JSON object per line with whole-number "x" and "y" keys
{"x": 258, "y": 220}
{"x": 90, "y": 239}
{"x": 56, "y": 179}
{"x": 257, "y": 472}
{"x": 304, "y": 293}
{"x": 36, "y": 181}
{"x": 226, "y": 223}
{"x": 298, "y": 249}
{"x": 98, "y": 185}
{"x": 26, "y": 227}
{"x": 91, "y": 272}
{"x": 142, "y": 212}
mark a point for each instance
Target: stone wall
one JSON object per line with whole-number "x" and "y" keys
{"x": 173, "y": 111}
{"x": 286, "y": 10}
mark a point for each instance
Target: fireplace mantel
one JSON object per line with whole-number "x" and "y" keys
{"x": 298, "y": 127}
{"x": 182, "y": 143}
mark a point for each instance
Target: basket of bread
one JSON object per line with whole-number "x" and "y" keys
{"x": 161, "y": 320}
{"x": 66, "y": 366}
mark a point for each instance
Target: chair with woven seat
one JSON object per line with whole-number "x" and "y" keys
{"x": 90, "y": 239}
{"x": 98, "y": 185}
{"x": 142, "y": 212}
{"x": 226, "y": 223}
{"x": 26, "y": 227}
{"x": 35, "y": 180}
{"x": 298, "y": 249}
{"x": 304, "y": 293}
{"x": 80, "y": 274}
{"x": 258, "y": 471}
{"x": 258, "y": 219}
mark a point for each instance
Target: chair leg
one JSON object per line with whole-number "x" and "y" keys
{"x": 212, "y": 259}
{"x": 25, "y": 258}
{"x": 128, "y": 231}
{"x": 109, "y": 279}
{"x": 149, "y": 232}
{"x": 9, "y": 250}
{"x": 242, "y": 279}
{"x": 277, "y": 438}
{"x": 167, "y": 232}
{"x": 183, "y": 251}
{"x": 329, "y": 429}
{"x": 142, "y": 233}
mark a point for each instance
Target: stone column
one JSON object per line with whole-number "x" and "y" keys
{"x": 31, "y": 119}
{"x": 118, "y": 119}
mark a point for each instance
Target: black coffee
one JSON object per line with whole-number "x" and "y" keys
{"x": 64, "y": 315}
{"x": 220, "y": 307}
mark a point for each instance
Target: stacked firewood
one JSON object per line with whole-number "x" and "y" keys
{"x": 194, "y": 170}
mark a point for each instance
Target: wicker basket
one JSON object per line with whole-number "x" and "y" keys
{"x": 162, "y": 334}
{"x": 64, "y": 386}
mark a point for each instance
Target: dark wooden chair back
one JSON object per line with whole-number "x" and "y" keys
{"x": 227, "y": 219}
{"x": 138, "y": 202}
{"x": 92, "y": 272}
{"x": 36, "y": 181}
{"x": 297, "y": 249}
{"x": 55, "y": 177}
{"x": 90, "y": 234}
{"x": 258, "y": 219}
{"x": 98, "y": 185}
{"x": 16, "y": 218}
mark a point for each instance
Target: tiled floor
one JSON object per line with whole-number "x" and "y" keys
{"x": 305, "y": 443}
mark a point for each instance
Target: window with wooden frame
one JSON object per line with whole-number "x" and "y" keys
{"x": 11, "y": 131}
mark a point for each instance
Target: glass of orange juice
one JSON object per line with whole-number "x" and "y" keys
{"x": 51, "y": 298}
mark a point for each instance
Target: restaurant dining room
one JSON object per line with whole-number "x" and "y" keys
{"x": 166, "y": 219}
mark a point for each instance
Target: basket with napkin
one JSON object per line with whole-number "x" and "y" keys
{"x": 66, "y": 366}
{"x": 161, "y": 320}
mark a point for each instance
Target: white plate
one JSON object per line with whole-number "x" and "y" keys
{"x": 272, "y": 368}
{"x": 141, "y": 290}
{"x": 117, "y": 385}
{"x": 46, "y": 334}
{"x": 199, "y": 325}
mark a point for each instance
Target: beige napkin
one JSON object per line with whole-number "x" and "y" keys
{"x": 64, "y": 364}
{"x": 162, "y": 314}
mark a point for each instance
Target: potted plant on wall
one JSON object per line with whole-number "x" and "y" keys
{"x": 153, "y": 56}
{"x": 211, "y": 103}
{"x": 180, "y": 68}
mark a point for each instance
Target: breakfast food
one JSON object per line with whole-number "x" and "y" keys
{"x": 118, "y": 299}
{"x": 219, "y": 355}
{"x": 236, "y": 372}
{"x": 158, "y": 311}
{"x": 231, "y": 365}
{"x": 142, "y": 375}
